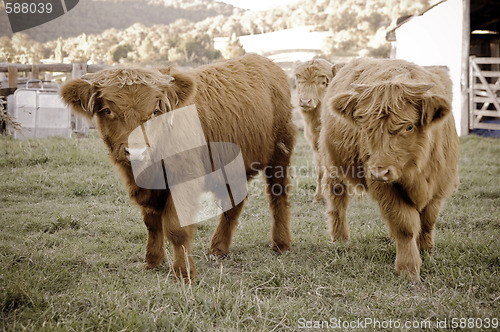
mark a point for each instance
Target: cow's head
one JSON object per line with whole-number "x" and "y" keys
{"x": 312, "y": 78}
{"x": 393, "y": 119}
{"x": 123, "y": 99}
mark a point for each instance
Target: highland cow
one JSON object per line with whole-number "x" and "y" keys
{"x": 312, "y": 78}
{"x": 391, "y": 122}
{"x": 245, "y": 101}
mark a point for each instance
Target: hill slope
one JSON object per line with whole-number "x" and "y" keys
{"x": 94, "y": 17}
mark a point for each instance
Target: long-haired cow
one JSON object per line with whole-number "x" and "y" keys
{"x": 245, "y": 101}
{"x": 388, "y": 127}
{"x": 312, "y": 78}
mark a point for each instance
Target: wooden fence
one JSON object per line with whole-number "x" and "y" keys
{"x": 484, "y": 96}
{"x": 77, "y": 70}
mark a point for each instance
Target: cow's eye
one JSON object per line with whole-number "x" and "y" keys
{"x": 409, "y": 128}
{"x": 324, "y": 83}
{"x": 156, "y": 112}
{"x": 106, "y": 111}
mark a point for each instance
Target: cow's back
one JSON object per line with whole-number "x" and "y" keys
{"x": 246, "y": 101}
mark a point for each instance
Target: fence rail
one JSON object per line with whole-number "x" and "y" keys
{"x": 77, "y": 70}
{"x": 484, "y": 96}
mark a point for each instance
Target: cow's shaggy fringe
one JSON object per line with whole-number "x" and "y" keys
{"x": 120, "y": 77}
{"x": 383, "y": 97}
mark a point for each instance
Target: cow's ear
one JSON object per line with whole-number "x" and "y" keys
{"x": 344, "y": 104}
{"x": 435, "y": 108}
{"x": 80, "y": 96}
{"x": 336, "y": 67}
{"x": 166, "y": 70}
{"x": 180, "y": 89}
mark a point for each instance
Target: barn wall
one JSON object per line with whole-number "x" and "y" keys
{"x": 435, "y": 39}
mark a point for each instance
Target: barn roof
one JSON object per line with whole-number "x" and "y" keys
{"x": 483, "y": 16}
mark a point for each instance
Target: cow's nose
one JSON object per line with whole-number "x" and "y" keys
{"x": 379, "y": 173}
{"x": 135, "y": 154}
{"x": 305, "y": 102}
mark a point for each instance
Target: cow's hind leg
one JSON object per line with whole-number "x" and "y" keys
{"x": 221, "y": 239}
{"x": 428, "y": 218}
{"x": 278, "y": 185}
{"x": 337, "y": 198}
{"x": 155, "y": 251}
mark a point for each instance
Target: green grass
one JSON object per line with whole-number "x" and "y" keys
{"x": 72, "y": 247}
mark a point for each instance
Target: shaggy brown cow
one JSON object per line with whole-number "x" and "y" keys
{"x": 312, "y": 78}
{"x": 388, "y": 126}
{"x": 245, "y": 101}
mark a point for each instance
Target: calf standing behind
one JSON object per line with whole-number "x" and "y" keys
{"x": 388, "y": 126}
{"x": 312, "y": 78}
{"x": 245, "y": 101}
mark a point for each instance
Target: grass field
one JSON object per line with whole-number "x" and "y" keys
{"x": 72, "y": 247}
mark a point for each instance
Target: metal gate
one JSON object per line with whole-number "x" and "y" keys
{"x": 484, "y": 96}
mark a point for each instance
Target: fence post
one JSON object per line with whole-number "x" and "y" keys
{"x": 79, "y": 69}
{"x": 472, "y": 106}
{"x": 81, "y": 125}
{"x": 35, "y": 74}
{"x": 464, "y": 68}
{"x": 12, "y": 70}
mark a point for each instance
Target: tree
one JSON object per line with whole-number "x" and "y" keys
{"x": 58, "y": 52}
{"x": 7, "y": 51}
{"x": 119, "y": 52}
{"x": 147, "y": 51}
{"x": 234, "y": 48}
{"x": 199, "y": 49}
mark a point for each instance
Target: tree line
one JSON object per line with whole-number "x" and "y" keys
{"x": 355, "y": 27}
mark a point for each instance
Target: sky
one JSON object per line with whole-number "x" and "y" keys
{"x": 258, "y": 4}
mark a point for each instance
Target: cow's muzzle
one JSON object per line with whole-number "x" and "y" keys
{"x": 308, "y": 103}
{"x": 135, "y": 154}
{"x": 384, "y": 174}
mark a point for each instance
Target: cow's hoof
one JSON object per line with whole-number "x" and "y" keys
{"x": 152, "y": 262}
{"x": 412, "y": 272}
{"x": 186, "y": 274}
{"x": 412, "y": 276}
{"x": 340, "y": 237}
{"x": 218, "y": 252}
{"x": 425, "y": 242}
{"x": 280, "y": 248}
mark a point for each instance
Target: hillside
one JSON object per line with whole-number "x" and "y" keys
{"x": 174, "y": 31}
{"x": 96, "y": 16}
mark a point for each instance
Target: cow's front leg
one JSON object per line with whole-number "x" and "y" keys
{"x": 221, "y": 239}
{"x": 403, "y": 221}
{"x": 318, "y": 194}
{"x": 155, "y": 251}
{"x": 181, "y": 239}
{"x": 428, "y": 218}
